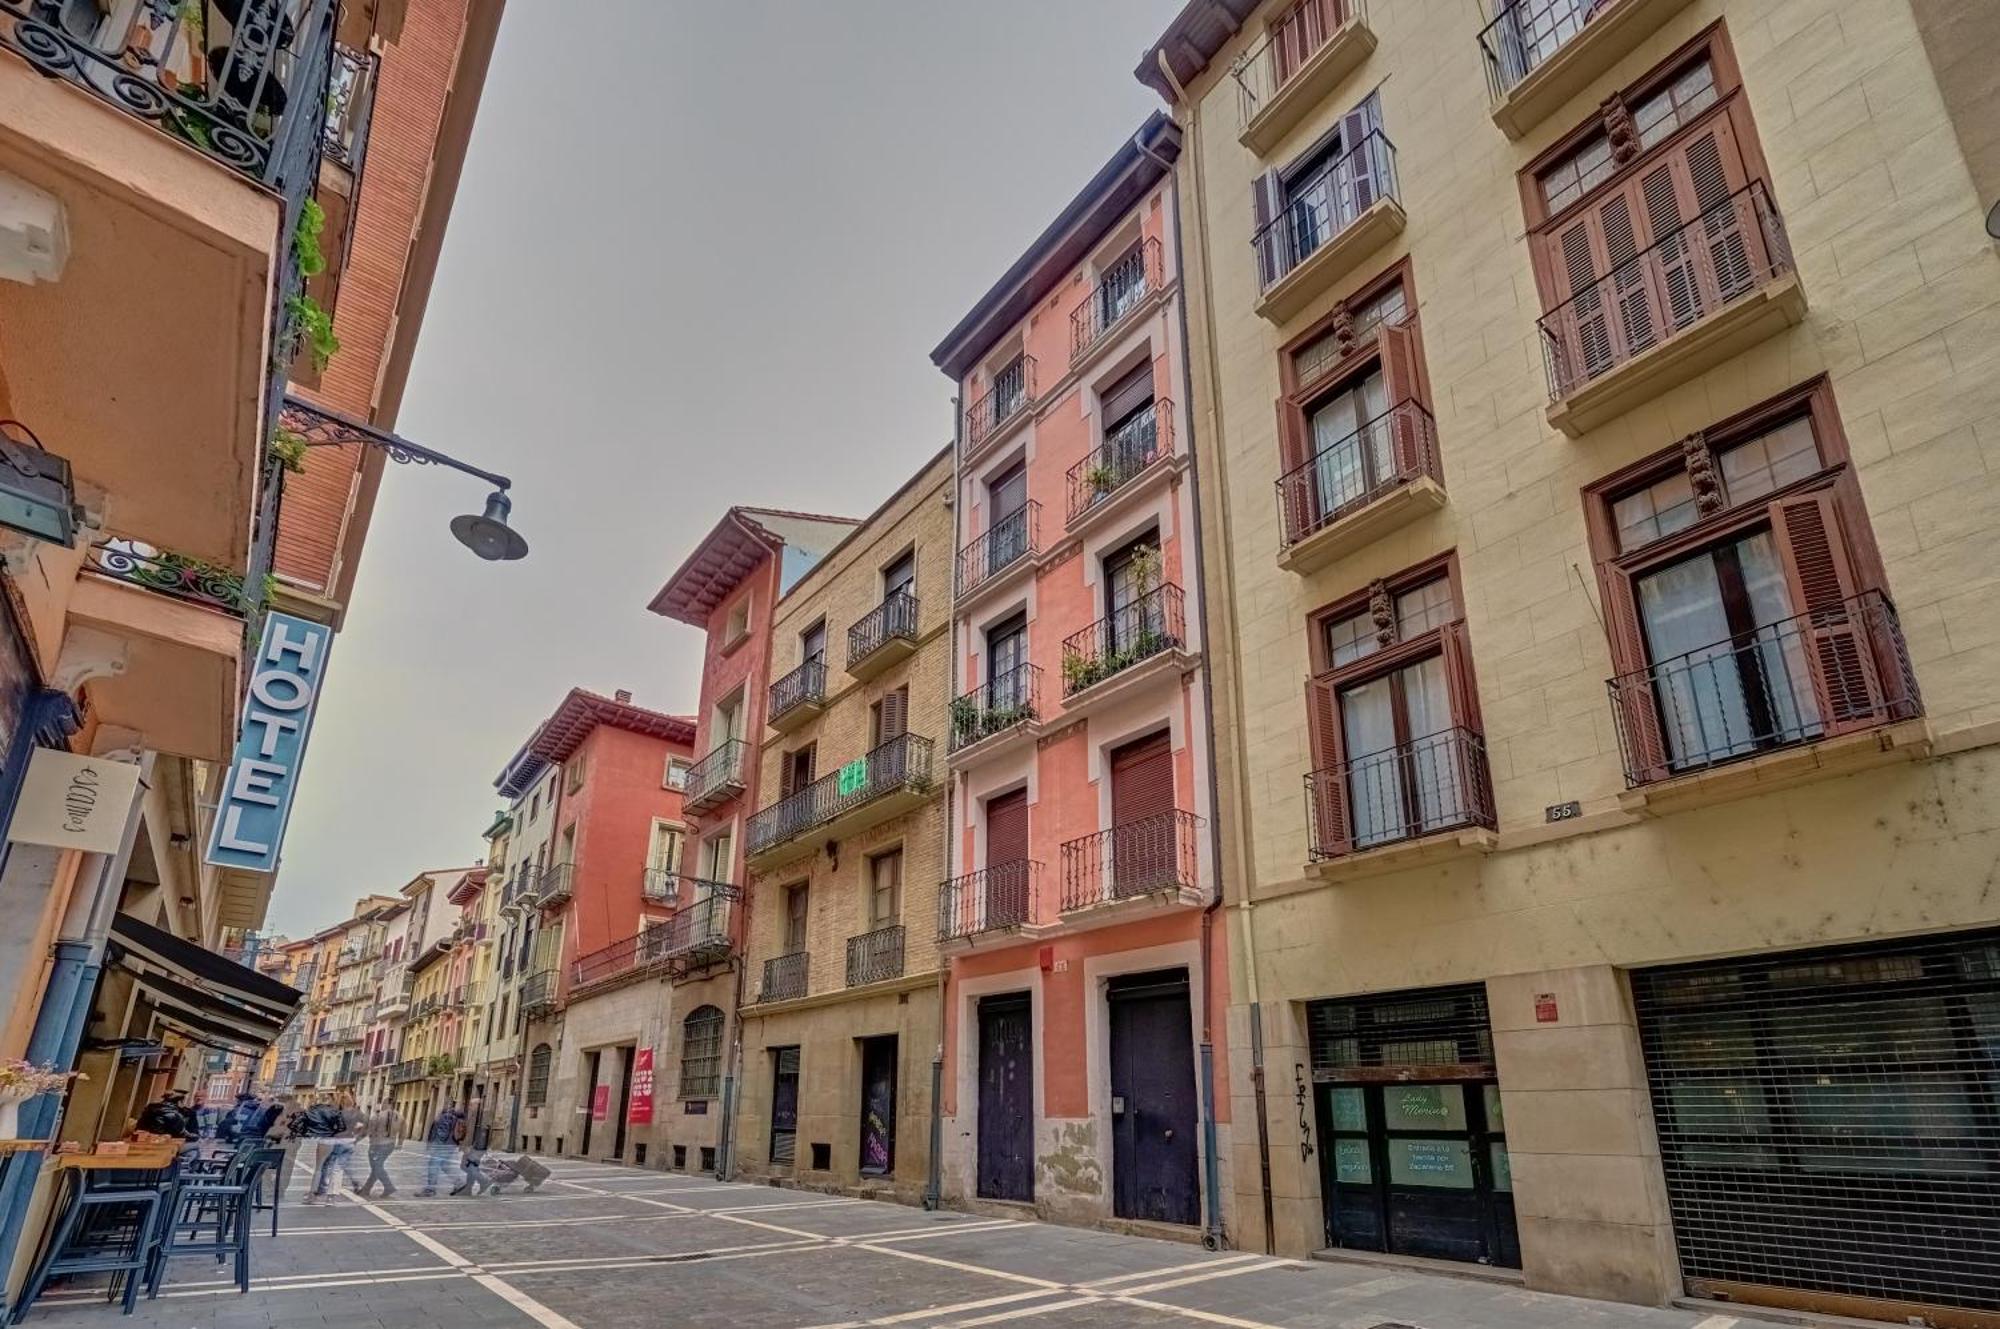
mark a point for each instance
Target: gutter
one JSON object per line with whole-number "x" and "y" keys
{"x": 934, "y": 1189}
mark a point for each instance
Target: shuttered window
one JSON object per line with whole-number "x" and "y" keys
{"x": 890, "y": 716}
{"x": 1142, "y": 780}
{"x": 1132, "y": 393}
{"x": 1007, "y": 828}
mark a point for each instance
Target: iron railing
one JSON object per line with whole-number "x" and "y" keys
{"x": 904, "y": 762}
{"x": 992, "y": 899}
{"x": 1011, "y": 697}
{"x": 407, "y": 1072}
{"x": 1149, "y": 624}
{"x": 169, "y": 574}
{"x": 1011, "y": 393}
{"x": 1730, "y": 250}
{"x": 1527, "y": 32}
{"x": 538, "y": 991}
{"x": 659, "y": 886}
{"x": 1129, "y": 450}
{"x": 1422, "y": 787}
{"x": 1293, "y": 39}
{"x": 620, "y": 957}
{"x": 785, "y": 977}
{"x": 1384, "y": 454}
{"x": 701, "y": 926}
{"x": 1121, "y": 288}
{"x": 715, "y": 777}
{"x": 1011, "y": 540}
{"x": 875, "y": 956}
{"x": 1156, "y": 853}
{"x": 893, "y": 620}
{"x": 804, "y": 686}
{"x": 524, "y": 887}
{"x": 350, "y": 102}
{"x": 1323, "y": 206}
{"x": 557, "y": 883}
{"x": 1795, "y": 681}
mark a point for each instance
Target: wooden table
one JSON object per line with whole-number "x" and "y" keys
{"x": 21, "y": 1146}
{"x": 141, "y": 1158}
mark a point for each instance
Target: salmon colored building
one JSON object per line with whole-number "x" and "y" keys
{"x": 1087, "y": 969}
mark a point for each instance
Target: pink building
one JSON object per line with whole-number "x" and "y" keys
{"x": 1088, "y": 971}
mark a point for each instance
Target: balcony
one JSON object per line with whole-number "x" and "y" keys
{"x": 994, "y": 899}
{"x": 1008, "y": 551}
{"x": 659, "y": 886}
{"x": 799, "y": 696}
{"x": 1799, "y": 683}
{"x": 1121, "y": 291}
{"x": 885, "y": 635}
{"x": 699, "y": 934}
{"x": 633, "y": 955}
{"x": 1007, "y": 402}
{"x": 524, "y": 887}
{"x": 999, "y": 715}
{"x": 1353, "y": 492}
{"x": 1694, "y": 299}
{"x": 1303, "y": 59}
{"x": 1116, "y": 473}
{"x": 875, "y": 957}
{"x": 556, "y": 885}
{"x": 785, "y": 977}
{"x": 1426, "y": 787}
{"x": 1157, "y": 855}
{"x": 538, "y": 992}
{"x": 407, "y": 1072}
{"x": 441, "y": 1064}
{"x": 867, "y": 791}
{"x": 1540, "y": 54}
{"x": 1124, "y": 650}
{"x": 716, "y": 778}
{"x": 1327, "y": 227}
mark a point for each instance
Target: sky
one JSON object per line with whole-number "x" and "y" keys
{"x": 699, "y": 256}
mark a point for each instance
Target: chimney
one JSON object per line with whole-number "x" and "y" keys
{"x": 623, "y": 694}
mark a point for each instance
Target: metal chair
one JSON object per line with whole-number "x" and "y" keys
{"x": 103, "y": 1229}
{"x": 274, "y": 1155}
{"x": 206, "y": 1217}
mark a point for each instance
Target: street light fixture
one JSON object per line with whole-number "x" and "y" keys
{"x": 487, "y": 534}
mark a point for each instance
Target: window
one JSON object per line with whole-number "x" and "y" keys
{"x": 701, "y": 1053}
{"x": 1122, "y": 285}
{"x": 889, "y": 718}
{"x": 538, "y": 1075}
{"x": 575, "y": 772}
{"x": 798, "y": 903}
{"x": 1299, "y": 208}
{"x": 737, "y": 626}
{"x": 1387, "y": 305}
{"x": 664, "y": 853}
{"x": 1659, "y": 509}
{"x": 1006, "y": 516}
{"x": 677, "y": 774}
{"x": 797, "y": 770}
{"x": 885, "y": 888}
{"x": 1009, "y": 389}
{"x": 1131, "y": 574}
{"x": 1691, "y": 92}
{"x": 535, "y": 806}
{"x": 900, "y": 577}
{"x": 1577, "y": 174}
{"x": 728, "y": 718}
{"x": 812, "y": 642}
{"x": 1006, "y": 652}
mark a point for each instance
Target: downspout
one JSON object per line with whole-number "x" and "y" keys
{"x": 934, "y": 1186}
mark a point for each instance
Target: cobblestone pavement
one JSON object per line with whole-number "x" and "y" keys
{"x": 603, "y": 1245}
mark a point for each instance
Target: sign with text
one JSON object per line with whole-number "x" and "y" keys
{"x": 74, "y": 802}
{"x": 256, "y": 798}
{"x": 641, "y": 1111}
{"x": 600, "y": 1103}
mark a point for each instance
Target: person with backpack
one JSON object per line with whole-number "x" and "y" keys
{"x": 477, "y": 1139}
{"x": 446, "y": 1133}
{"x": 334, "y": 1125}
{"x": 165, "y": 1115}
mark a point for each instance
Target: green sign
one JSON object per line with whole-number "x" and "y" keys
{"x": 854, "y": 777}
{"x": 1424, "y": 1107}
{"x": 1350, "y": 1162}
{"x": 1350, "y": 1110}
{"x": 1431, "y": 1163}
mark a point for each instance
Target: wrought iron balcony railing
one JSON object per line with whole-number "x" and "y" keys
{"x": 1011, "y": 698}
{"x": 1291, "y": 41}
{"x": 1730, "y": 250}
{"x": 875, "y": 956}
{"x": 904, "y": 762}
{"x": 556, "y": 884}
{"x": 538, "y": 992}
{"x": 1011, "y": 393}
{"x": 804, "y": 686}
{"x": 1011, "y": 540}
{"x": 350, "y": 102}
{"x": 1795, "y": 681}
{"x": 1527, "y": 32}
{"x": 1149, "y": 624}
{"x": 1157, "y": 853}
{"x": 716, "y": 777}
{"x": 1320, "y": 208}
{"x": 1394, "y": 449}
{"x": 1121, "y": 288}
{"x": 407, "y": 1072}
{"x": 1125, "y": 453}
{"x": 701, "y": 926}
{"x": 524, "y": 887}
{"x": 659, "y": 886}
{"x": 1430, "y": 784}
{"x": 170, "y": 574}
{"x": 895, "y": 619}
{"x": 785, "y": 977}
{"x": 620, "y": 957}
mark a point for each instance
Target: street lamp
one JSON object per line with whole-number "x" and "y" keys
{"x": 486, "y": 534}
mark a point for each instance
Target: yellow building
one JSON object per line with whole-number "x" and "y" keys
{"x": 842, "y": 1024}
{"x": 1595, "y": 423}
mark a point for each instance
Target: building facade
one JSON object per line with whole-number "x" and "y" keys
{"x": 841, "y": 1022}
{"x": 1087, "y": 970}
{"x": 1594, "y": 498}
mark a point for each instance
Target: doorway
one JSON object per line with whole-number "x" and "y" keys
{"x": 878, "y": 1106}
{"x": 1155, "y": 1162}
{"x": 591, "y": 1061}
{"x": 1006, "y": 1098}
{"x": 624, "y": 1059}
{"x": 784, "y": 1106}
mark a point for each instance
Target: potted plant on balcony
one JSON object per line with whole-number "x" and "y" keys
{"x": 1102, "y": 479}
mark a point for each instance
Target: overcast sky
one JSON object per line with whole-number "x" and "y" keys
{"x": 699, "y": 257}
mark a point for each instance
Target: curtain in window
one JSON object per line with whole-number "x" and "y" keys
{"x": 1399, "y": 787}
{"x": 1348, "y": 457}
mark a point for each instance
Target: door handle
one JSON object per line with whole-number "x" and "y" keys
{"x": 1170, "y": 1133}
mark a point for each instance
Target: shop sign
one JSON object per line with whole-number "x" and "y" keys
{"x": 1545, "y": 1008}
{"x": 641, "y": 1111}
{"x": 256, "y": 798}
{"x": 70, "y": 801}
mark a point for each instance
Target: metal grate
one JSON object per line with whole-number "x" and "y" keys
{"x": 1429, "y": 1033}
{"x": 1829, "y": 1120}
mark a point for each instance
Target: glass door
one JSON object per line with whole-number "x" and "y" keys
{"x": 1403, "y": 775}
{"x": 1352, "y": 452}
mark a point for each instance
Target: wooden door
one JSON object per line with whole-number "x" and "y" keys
{"x": 1155, "y": 1163}
{"x": 1006, "y": 1098}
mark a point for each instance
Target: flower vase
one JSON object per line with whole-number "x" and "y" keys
{"x": 10, "y": 1114}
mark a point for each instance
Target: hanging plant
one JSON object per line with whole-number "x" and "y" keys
{"x": 288, "y": 449}
{"x": 305, "y": 239}
{"x": 314, "y": 326}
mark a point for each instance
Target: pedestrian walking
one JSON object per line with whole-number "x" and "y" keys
{"x": 440, "y": 1142}
{"x": 335, "y": 1124}
{"x": 382, "y": 1131}
{"x": 279, "y": 1118}
{"x": 476, "y": 1138}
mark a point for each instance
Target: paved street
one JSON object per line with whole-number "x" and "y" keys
{"x": 604, "y": 1245}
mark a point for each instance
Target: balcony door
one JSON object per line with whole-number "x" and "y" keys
{"x": 1006, "y": 653}
{"x": 1007, "y": 504}
{"x": 1403, "y": 774}
{"x": 1144, "y": 838}
{"x": 812, "y": 643}
{"x": 1352, "y": 453}
{"x": 1006, "y": 902}
{"x": 1134, "y": 616}
{"x": 900, "y": 577}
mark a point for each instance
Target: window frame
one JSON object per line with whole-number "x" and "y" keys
{"x": 1297, "y": 399}
{"x": 874, "y": 862}
{"x": 667, "y": 780}
{"x": 541, "y": 1065}
{"x": 701, "y": 1072}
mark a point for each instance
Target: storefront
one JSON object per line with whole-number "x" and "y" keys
{"x": 1413, "y": 1149}
{"x": 1829, "y": 1124}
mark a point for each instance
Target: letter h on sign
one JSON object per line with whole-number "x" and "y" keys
{"x": 256, "y": 799}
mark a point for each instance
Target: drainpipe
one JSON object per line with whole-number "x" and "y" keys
{"x": 934, "y": 1187}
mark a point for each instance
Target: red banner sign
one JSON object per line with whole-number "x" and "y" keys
{"x": 641, "y": 1111}
{"x": 600, "y": 1103}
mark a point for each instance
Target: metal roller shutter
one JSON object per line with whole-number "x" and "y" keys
{"x": 1829, "y": 1123}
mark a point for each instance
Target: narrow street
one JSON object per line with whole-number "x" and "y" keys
{"x": 603, "y": 1245}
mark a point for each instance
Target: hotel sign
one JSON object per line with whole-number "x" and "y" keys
{"x": 256, "y": 799}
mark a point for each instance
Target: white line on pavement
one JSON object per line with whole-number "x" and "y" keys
{"x": 514, "y": 1297}
{"x": 633, "y": 1259}
{"x": 1170, "y": 1269}
{"x": 1212, "y": 1273}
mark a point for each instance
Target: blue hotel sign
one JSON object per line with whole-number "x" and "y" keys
{"x": 256, "y": 799}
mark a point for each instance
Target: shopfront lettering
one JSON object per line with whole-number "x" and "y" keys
{"x": 256, "y": 795}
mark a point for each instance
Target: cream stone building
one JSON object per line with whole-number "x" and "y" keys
{"x": 1596, "y": 421}
{"x": 841, "y": 1025}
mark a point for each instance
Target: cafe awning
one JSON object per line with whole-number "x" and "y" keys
{"x": 205, "y": 997}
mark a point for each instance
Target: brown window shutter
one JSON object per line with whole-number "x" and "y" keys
{"x": 1821, "y": 578}
{"x": 1328, "y": 790}
{"x": 1636, "y": 701}
{"x": 1007, "y": 828}
{"x": 1459, "y": 682}
{"x": 1142, "y": 780}
{"x": 1402, "y": 381}
{"x": 1267, "y": 200}
{"x": 895, "y": 713}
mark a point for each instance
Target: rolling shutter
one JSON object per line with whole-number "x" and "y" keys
{"x": 1007, "y": 828}
{"x": 1128, "y": 394}
{"x": 1821, "y": 579}
{"x": 1142, "y": 780}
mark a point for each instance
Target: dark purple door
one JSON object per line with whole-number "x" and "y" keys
{"x": 1154, "y": 1160}
{"x": 878, "y": 1106}
{"x": 784, "y": 1106}
{"x": 1006, "y": 1098}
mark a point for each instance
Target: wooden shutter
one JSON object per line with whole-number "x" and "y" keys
{"x": 892, "y": 715}
{"x": 1401, "y": 379}
{"x": 1636, "y": 698}
{"x": 1327, "y": 794}
{"x": 1007, "y": 828}
{"x": 1364, "y": 164}
{"x": 1267, "y": 200}
{"x": 1142, "y": 780}
{"x": 1820, "y": 576}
